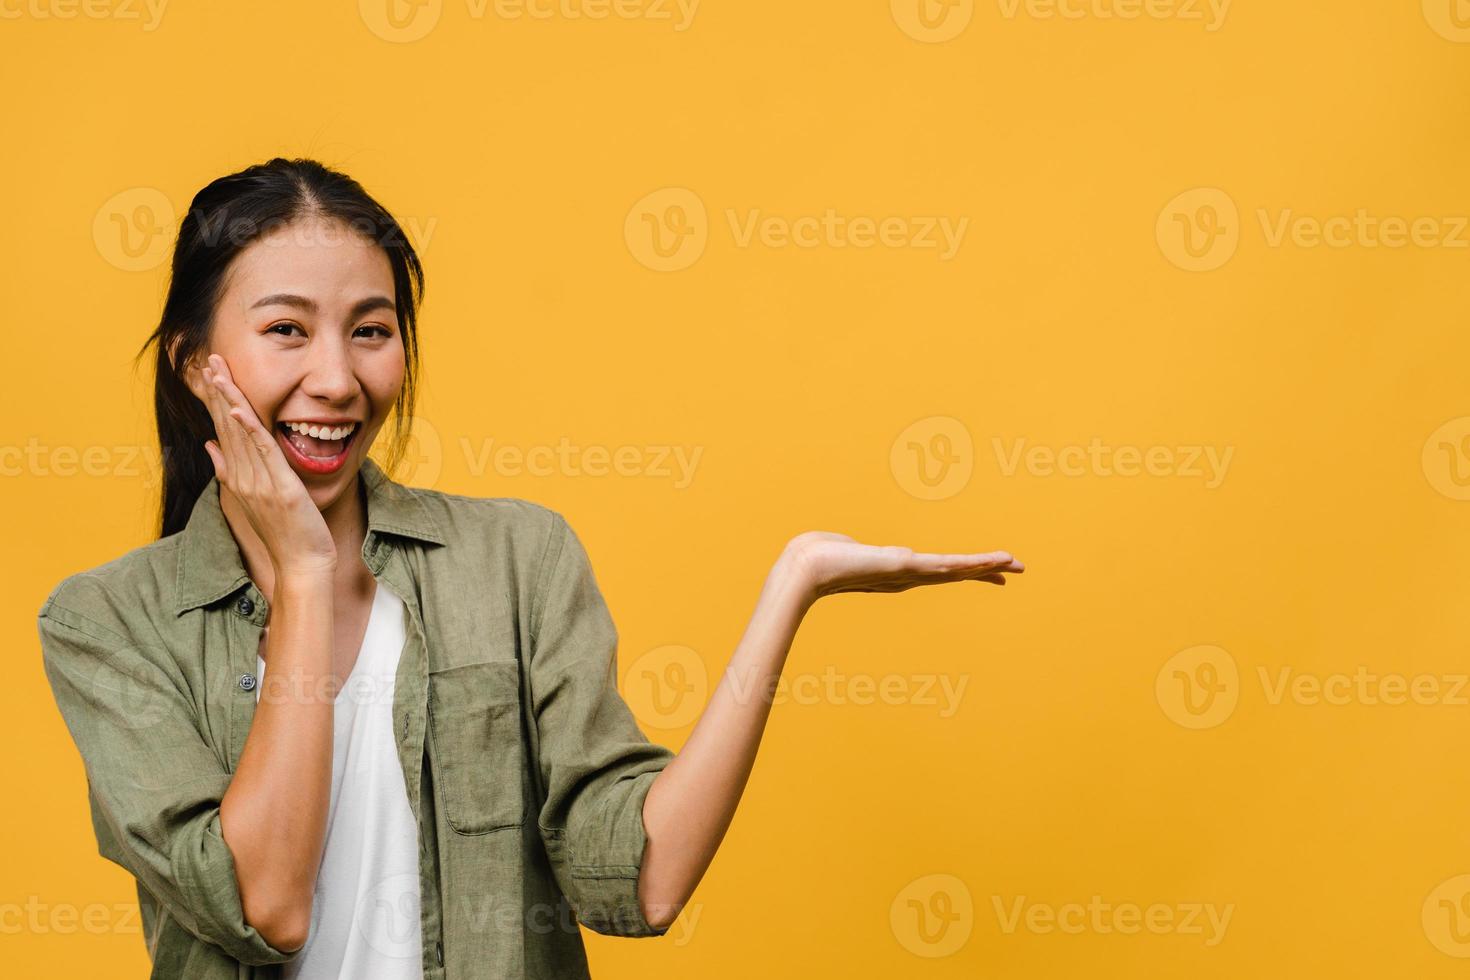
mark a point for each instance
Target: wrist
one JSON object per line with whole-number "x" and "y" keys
{"x": 791, "y": 579}
{"x": 311, "y": 580}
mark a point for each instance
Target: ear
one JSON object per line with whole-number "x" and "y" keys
{"x": 190, "y": 372}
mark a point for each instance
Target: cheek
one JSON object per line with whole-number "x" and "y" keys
{"x": 383, "y": 379}
{"x": 258, "y": 380}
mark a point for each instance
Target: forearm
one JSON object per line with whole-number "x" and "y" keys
{"x": 692, "y": 801}
{"x": 274, "y": 814}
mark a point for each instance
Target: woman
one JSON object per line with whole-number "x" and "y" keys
{"x": 339, "y": 727}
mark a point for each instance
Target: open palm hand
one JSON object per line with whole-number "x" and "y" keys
{"x": 832, "y": 563}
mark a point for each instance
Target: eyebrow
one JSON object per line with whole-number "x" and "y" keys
{"x": 359, "y": 308}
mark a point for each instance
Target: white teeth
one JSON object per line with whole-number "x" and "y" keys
{"x": 321, "y": 431}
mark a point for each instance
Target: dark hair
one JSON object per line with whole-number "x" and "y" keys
{"x": 222, "y": 220}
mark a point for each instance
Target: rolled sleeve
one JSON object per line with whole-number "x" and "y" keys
{"x": 154, "y": 785}
{"x": 595, "y": 763}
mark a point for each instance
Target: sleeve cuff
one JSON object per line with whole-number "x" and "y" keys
{"x": 607, "y": 892}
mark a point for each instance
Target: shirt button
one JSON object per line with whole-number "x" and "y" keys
{"x": 244, "y": 606}
{"x": 247, "y": 682}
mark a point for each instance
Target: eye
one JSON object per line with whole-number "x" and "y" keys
{"x": 286, "y": 324}
{"x": 382, "y": 330}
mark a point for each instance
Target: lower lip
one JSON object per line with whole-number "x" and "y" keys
{"x": 317, "y": 464}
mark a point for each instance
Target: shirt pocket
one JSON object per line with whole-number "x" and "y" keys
{"x": 475, "y": 725}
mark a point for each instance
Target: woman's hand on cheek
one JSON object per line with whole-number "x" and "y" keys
{"x": 248, "y": 460}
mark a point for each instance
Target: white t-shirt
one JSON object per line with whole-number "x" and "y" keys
{"x": 365, "y": 913}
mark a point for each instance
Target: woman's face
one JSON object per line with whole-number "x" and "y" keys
{"x": 308, "y": 328}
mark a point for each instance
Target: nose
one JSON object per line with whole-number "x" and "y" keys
{"x": 330, "y": 375}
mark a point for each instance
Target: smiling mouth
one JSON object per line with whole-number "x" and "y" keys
{"x": 323, "y": 444}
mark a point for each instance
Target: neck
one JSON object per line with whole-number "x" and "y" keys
{"x": 346, "y": 519}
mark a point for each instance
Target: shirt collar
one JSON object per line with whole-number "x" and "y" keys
{"x": 210, "y": 566}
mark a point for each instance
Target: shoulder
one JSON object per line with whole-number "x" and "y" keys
{"x": 105, "y": 601}
{"x": 509, "y": 546}
{"x": 529, "y": 532}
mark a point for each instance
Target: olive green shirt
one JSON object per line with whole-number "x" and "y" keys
{"x": 524, "y": 767}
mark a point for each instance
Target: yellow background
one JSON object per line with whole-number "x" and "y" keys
{"x": 518, "y": 151}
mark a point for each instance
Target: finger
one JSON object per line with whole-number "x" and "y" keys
{"x": 995, "y": 579}
{"x": 211, "y": 449}
{"x": 998, "y": 560}
{"x": 231, "y": 434}
{"x": 211, "y": 404}
{"x": 261, "y": 444}
{"x": 263, "y": 449}
{"x": 238, "y": 409}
